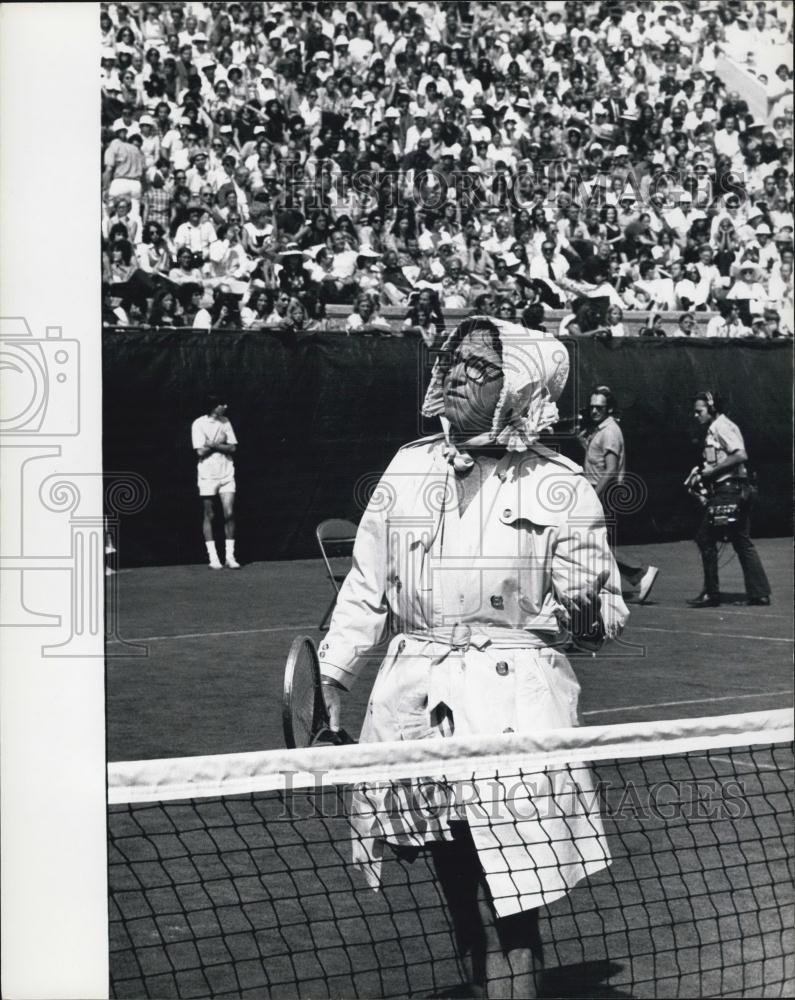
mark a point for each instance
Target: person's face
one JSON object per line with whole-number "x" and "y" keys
{"x": 701, "y": 412}
{"x": 473, "y": 385}
{"x": 687, "y": 324}
{"x": 597, "y": 407}
{"x": 548, "y": 249}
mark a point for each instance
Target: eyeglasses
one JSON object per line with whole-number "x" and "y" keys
{"x": 479, "y": 371}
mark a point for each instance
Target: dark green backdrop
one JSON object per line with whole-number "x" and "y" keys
{"x": 318, "y": 421}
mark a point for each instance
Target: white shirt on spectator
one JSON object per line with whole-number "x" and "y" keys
{"x": 720, "y": 327}
{"x": 343, "y": 264}
{"x": 195, "y": 238}
{"x": 202, "y": 320}
{"x": 355, "y": 322}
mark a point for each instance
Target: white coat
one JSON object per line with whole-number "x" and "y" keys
{"x": 477, "y": 606}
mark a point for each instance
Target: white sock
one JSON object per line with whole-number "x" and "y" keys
{"x": 211, "y": 551}
{"x": 230, "y": 548}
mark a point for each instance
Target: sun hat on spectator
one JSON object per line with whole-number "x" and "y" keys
{"x": 341, "y": 42}
{"x": 368, "y": 97}
{"x": 782, "y": 236}
{"x": 522, "y": 102}
{"x": 321, "y": 54}
{"x": 685, "y": 196}
{"x": 119, "y": 126}
{"x": 510, "y": 260}
{"x": 749, "y": 267}
{"x": 368, "y": 252}
{"x": 107, "y": 55}
{"x": 391, "y": 113}
{"x": 313, "y": 251}
{"x": 620, "y": 151}
{"x": 198, "y": 154}
{"x": 291, "y": 250}
{"x": 200, "y": 37}
{"x": 763, "y": 230}
{"x": 146, "y": 120}
{"x": 128, "y": 49}
{"x": 756, "y": 320}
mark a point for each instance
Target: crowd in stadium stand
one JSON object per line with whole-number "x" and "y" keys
{"x": 265, "y": 161}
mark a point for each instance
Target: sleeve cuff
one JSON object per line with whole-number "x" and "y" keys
{"x": 342, "y": 677}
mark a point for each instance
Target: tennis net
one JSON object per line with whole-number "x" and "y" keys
{"x": 233, "y": 876}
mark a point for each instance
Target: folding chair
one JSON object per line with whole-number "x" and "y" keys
{"x": 335, "y": 538}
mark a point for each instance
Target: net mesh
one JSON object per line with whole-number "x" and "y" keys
{"x": 254, "y": 893}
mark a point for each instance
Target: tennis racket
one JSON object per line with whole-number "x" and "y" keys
{"x": 304, "y": 714}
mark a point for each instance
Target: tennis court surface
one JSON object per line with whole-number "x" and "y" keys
{"x": 225, "y": 882}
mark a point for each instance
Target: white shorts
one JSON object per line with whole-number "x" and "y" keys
{"x": 211, "y": 487}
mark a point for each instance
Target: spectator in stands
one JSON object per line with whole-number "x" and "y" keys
{"x": 185, "y": 271}
{"x": 686, "y": 326}
{"x": 198, "y": 313}
{"x": 225, "y": 312}
{"x": 152, "y": 252}
{"x": 259, "y": 306}
{"x": 450, "y": 124}
{"x": 727, "y": 323}
{"x": 425, "y": 319}
{"x": 366, "y": 319}
{"x": 195, "y": 235}
{"x": 165, "y": 310}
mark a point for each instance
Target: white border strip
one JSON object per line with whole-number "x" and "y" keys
{"x": 458, "y": 757}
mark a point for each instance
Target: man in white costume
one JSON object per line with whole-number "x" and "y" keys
{"x": 487, "y": 554}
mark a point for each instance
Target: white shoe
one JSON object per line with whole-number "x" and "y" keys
{"x": 647, "y": 582}
{"x": 215, "y": 564}
{"x": 232, "y": 563}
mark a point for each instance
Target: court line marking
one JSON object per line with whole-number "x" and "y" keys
{"x": 716, "y": 635}
{"x": 724, "y": 607}
{"x": 689, "y": 701}
{"x": 208, "y": 635}
{"x": 754, "y": 766}
{"x": 313, "y": 628}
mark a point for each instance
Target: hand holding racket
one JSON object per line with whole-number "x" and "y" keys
{"x": 305, "y": 714}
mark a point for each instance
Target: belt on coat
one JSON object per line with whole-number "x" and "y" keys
{"x": 460, "y": 637}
